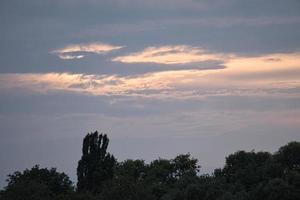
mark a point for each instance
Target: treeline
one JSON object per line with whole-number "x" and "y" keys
{"x": 245, "y": 176}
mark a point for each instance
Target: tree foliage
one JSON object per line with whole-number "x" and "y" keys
{"x": 245, "y": 176}
{"x": 288, "y": 156}
{"x": 37, "y": 183}
{"x": 96, "y": 164}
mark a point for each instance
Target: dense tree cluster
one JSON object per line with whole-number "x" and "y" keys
{"x": 245, "y": 176}
{"x": 37, "y": 183}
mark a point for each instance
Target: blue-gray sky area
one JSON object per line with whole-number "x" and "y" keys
{"x": 160, "y": 77}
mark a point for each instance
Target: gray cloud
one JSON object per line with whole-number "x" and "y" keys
{"x": 30, "y": 30}
{"x": 78, "y": 51}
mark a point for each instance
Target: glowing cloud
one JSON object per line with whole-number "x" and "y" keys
{"x": 180, "y": 54}
{"x": 78, "y": 51}
{"x": 83, "y": 83}
{"x": 69, "y": 57}
{"x": 267, "y": 75}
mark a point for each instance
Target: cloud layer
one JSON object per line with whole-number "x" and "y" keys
{"x": 77, "y": 51}
{"x": 271, "y": 74}
{"x": 173, "y": 54}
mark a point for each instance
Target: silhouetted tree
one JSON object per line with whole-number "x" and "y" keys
{"x": 37, "y": 184}
{"x": 79, "y": 196}
{"x": 275, "y": 189}
{"x": 129, "y": 182}
{"x": 96, "y": 165}
{"x": 245, "y": 176}
{"x": 134, "y": 170}
{"x": 289, "y": 156}
{"x": 185, "y": 165}
{"x": 246, "y": 168}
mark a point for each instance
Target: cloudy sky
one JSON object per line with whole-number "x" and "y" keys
{"x": 160, "y": 77}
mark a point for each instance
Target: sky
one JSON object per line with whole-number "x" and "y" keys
{"x": 160, "y": 77}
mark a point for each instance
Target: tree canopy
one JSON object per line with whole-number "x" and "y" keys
{"x": 245, "y": 176}
{"x": 96, "y": 164}
{"x": 37, "y": 183}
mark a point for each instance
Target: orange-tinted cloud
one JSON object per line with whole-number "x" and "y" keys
{"x": 260, "y": 75}
{"x": 180, "y": 54}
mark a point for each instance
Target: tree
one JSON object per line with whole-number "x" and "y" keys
{"x": 37, "y": 184}
{"x": 247, "y": 168}
{"x": 185, "y": 165}
{"x": 96, "y": 165}
{"x": 134, "y": 170}
{"x": 289, "y": 156}
{"x": 275, "y": 189}
{"x": 245, "y": 176}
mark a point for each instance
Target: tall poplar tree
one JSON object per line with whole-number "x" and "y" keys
{"x": 96, "y": 165}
